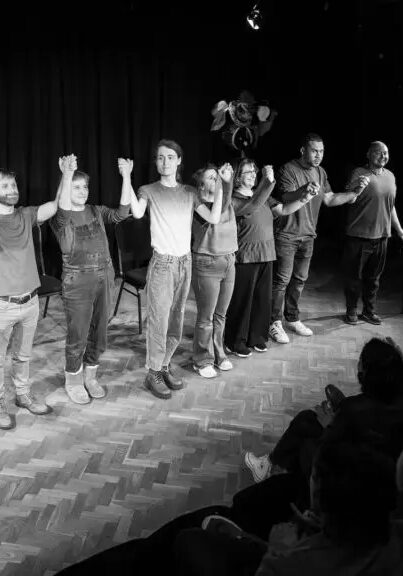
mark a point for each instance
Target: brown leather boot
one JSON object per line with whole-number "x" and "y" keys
{"x": 155, "y": 383}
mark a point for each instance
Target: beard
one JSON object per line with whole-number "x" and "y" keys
{"x": 9, "y": 199}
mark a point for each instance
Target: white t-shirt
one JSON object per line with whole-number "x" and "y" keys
{"x": 171, "y": 214}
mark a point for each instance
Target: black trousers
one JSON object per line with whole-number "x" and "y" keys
{"x": 248, "y": 315}
{"x": 363, "y": 264}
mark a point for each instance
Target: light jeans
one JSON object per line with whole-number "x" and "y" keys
{"x": 18, "y": 324}
{"x": 168, "y": 283}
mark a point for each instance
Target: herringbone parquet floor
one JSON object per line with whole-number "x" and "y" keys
{"x": 87, "y": 477}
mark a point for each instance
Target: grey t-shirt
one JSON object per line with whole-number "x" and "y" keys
{"x": 370, "y": 215}
{"x": 19, "y": 273}
{"x": 290, "y": 177}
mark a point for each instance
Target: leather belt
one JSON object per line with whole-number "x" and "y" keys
{"x": 19, "y": 299}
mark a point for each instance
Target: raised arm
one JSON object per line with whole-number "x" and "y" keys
{"x": 260, "y": 196}
{"x": 138, "y": 206}
{"x": 67, "y": 165}
{"x": 226, "y": 174}
{"x": 47, "y": 210}
{"x": 213, "y": 214}
{"x": 355, "y": 188}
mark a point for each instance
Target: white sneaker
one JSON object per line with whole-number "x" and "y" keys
{"x": 207, "y": 371}
{"x": 299, "y": 328}
{"x": 225, "y": 365}
{"x": 276, "y": 331}
{"x": 259, "y": 466}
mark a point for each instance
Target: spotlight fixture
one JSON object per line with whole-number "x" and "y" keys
{"x": 255, "y": 18}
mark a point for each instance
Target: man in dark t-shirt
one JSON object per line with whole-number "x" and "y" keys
{"x": 295, "y": 233}
{"x": 19, "y": 282}
{"x": 369, "y": 222}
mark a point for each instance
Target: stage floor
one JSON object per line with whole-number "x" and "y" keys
{"x": 84, "y": 478}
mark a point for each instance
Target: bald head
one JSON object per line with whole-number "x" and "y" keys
{"x": 378, "y": 155}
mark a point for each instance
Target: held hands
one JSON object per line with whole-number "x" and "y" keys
{"x": 311, "y": 190}
{"x": 226, "y": 172}
{"x": 268, "y": 173}
{"x": 125, "y": 167}
{"x": 324, "y": 413}
{"x": 68, "y": 164}
{"x": 360, "y": 184}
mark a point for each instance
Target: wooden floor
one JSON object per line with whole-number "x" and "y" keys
{"x": 87, "y": 477}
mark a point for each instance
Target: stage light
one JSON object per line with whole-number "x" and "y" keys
{"x": 255, "y": 18}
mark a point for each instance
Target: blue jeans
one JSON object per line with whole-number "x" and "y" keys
{"x": 18, "y": 320}
{"x": 86, "y": 295}
{"x": 291, "y": 272}
{"x": 213, "y": 279}
{"x": 168, "y": 283}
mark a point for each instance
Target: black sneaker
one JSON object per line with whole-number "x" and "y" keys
{"x": 170, "y": 380}
{"x": 155, "y": 383}
{"x": 371, "y": 317}
{"x": 242, "y": 351}
{"x": 351, "y": 318}
{"x": 260, "y": 347}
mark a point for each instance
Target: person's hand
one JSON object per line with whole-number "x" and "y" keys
{"x": 360, "y": 184}
{"x": 307, "y": 520}
{"x": 268, "y": 173}
{"x": 68, "y": 164}
{"x": 226, "y": 172}
{"x": 324, "y": 413}
{"x": 125, "y": 166}
{"x": 310, "y": 191}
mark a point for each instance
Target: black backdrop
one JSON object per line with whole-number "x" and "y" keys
{"x": 109, "y": 79}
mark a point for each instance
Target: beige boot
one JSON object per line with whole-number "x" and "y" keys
{"x": 94, "y": 389}
{"x": 75, "y": 387}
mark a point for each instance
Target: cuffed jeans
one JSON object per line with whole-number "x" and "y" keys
{"x": 18, "y": 321}
{"x": 86, "y": 297}
{"x": 168, "y": 283}
{"x": 290, "y": 274}
{"x": 363, "y": 264}
{"x": 213, "y": 279}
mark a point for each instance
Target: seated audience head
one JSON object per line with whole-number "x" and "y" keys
{"x": 312, "y": 150}
{"x": 380, "y": 370}
{"x": 168, "y": 159}
{"x": 353, "y": 488}
{"x": 245, "y": 174}
{"x": 9, "y": 194}
{"x": 79, "y": 190}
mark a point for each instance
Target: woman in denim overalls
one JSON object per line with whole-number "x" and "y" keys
{"x": 88, "y": 278}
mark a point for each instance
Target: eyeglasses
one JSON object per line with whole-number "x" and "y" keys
{"x": 248, "y": 172}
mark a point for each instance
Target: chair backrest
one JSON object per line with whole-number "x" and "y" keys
{"x": 133, "y": 240}
{"x": 38, "y": 245}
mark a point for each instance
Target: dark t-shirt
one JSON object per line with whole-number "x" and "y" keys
{"x": 290, "y": 178}
{"x": 370, "y": 215}
{"x": 18, "y": 270}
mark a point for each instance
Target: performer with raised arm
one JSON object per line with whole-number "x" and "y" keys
{"x": 249, "y": 311}
{"x": 213, "y": 270}
{"x": 88, "y": 278}
{"x": 19, "y": 282}
{"x": 171, "y": 205}
{"x": 295, "y": 234}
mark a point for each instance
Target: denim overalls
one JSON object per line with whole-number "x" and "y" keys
{"x": 88, "y": 281}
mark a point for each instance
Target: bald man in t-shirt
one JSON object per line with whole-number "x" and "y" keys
{"x": 369, "y": 222}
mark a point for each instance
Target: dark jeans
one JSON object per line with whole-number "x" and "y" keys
{"x": 213, "y": 280}
{"x": 290, "y": 274}
{"x": 168, "y": 283}
{"x": 248, "y": 315}
{"x": 202, "y": 553}
{"x": 87, "y": 295}
{"x": 297, "y": 446}
{"x": 363, "y": 264}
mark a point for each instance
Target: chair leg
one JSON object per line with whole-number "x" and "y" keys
{"x": 45, "y": 310}
{"x": 119, "y": 297}
{"x": 139, "y": 312}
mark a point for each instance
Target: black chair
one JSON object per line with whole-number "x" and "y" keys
{"x": 134, "y": 253}
{"x": 50, "y": 285}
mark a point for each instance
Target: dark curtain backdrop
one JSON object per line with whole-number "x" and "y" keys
{"x": 110, "y": 79}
